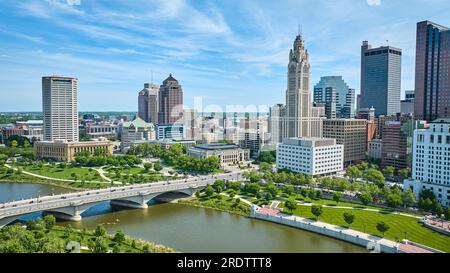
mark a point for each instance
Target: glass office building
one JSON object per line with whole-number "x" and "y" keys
{"x": 338, "y": 98}
{"x": 381, "y": 79}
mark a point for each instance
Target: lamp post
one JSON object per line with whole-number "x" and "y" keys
{"x": 405, "y": 234}
{"x": 39, "y": 194}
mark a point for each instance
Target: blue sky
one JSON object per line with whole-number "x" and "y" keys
{"x": 227, "y": 52}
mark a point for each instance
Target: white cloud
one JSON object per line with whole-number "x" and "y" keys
{"x": 373, "y": 2}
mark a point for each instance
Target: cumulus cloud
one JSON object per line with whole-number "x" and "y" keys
{"x": 373, "y": 2}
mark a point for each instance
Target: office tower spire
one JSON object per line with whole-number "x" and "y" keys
{"x": 301, "y": 119}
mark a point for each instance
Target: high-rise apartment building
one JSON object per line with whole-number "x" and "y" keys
{"x": 60, "y": 108}
{"x": 431, "y": 161}
{"x": 338, "y": 98}
{"x": 352, "y": 133}
{"x": 302, "y": 120}
{"x": 170, "y": 102}
{"x": 381, "y": 78}
{"x": 277, "y": 114}
{"x": 432, "y": 84}
{"x": 148, "y": 103}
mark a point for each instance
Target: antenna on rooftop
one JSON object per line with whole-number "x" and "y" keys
{"x": 300, "y": 29}
{"x": 151, "y": 73}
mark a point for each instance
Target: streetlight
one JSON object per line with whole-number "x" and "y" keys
{"x": 53, "y": 191}
{"x": 39, "y": 194}
{"x": 405, "y": 234}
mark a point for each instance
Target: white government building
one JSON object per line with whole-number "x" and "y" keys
{"x": 431, "y": 161}
{"x": 312, "y": 156}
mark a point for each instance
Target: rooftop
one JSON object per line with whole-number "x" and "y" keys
{"x": 216, "y": 146}
{"x": 137, "y": 122}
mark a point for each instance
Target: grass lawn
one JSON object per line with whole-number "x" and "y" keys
{"x": 224, "y": 203}
{"x": 367, "y": 220}
{"x": 56, "y": 172}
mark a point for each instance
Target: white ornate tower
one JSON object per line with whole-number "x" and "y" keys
{"x": 301, "y": 119}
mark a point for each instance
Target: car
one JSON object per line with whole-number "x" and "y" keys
{"x": 63, "y": 197}
{"x": 31, "y": 202}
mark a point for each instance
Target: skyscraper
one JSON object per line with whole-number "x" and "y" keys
{"x": 60, "y": 108}
{"x": 301, "y": 119}
{"x": 148, "y": 103}
{"x": 170, "y": 102}
{"x": 339, "y": 99}
{"x": 381, "y": 78}
{"x": 432, "y": 85}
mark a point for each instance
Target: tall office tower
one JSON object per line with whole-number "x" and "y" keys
{"x": 277, "y": 113}
{"x": 301, "y": 119}
{"x": 338, "y": 98}
{"x": 60, "y": 108}
{"x": 170, "y": 102}
{"x": 432, "y": 89}
{"x": 381, "y": 78}
{"x": 148, "y": 103}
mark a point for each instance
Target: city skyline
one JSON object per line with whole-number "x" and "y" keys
{"x": 113, "y": 58}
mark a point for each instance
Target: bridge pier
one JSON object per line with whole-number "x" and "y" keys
{"x": 63, "y": 216}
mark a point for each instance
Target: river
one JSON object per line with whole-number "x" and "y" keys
{"x": 190, "y": 229}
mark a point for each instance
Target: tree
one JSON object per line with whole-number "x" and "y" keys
{"x": 290, "y": 204}
{"x": 366, "y": 198}
{"x": 74, "y": 176}
{"x": 394, "y": 200}
{"x": 148, "y": 166}
{"x": 375, "y": 176}
{"x": 272, "y": 189}
{"x": 100, "y": 231}
{"x": 146, "y": 249}
{"x": 14, "y": 144}
{"x": 404, "y": 173}
{"x": 99, "y": 245}
{"x": 49, "y": 221}
{"x": 337, "y": 197}
{"x": 209, "y": 191}
{"x": 252, "y": 188}
{"x": 353, "y": 173}
{"x": 265, "y": 167}
{"x": 197, "y": 194}
{"x": 383, "y": 227}
{"x": 289, "y": 189}
{"x": 447, "y": 214}
{"x": 119, "y": 237}
{"x": 316, "y": 210}
{"x": 267, "y": 156}
{"x": 349, "y": 218}
{"x": 408, "y": 198}
{"x": 388, "y": 171}
{"x": 157, "y": 166}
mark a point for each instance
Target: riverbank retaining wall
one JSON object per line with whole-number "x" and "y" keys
{"x": 336, "y": 233}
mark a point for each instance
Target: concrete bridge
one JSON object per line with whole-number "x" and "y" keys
{"x": 70, "y": 206}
